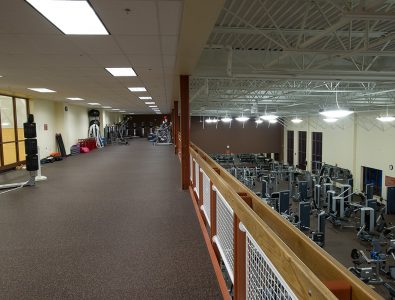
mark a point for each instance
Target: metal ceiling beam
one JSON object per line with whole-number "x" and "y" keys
{"x": 305, "y": 51}
{"x": 368, "y": 16}
{"x": 293, "y": 32}
{"x": 322, "y": 75}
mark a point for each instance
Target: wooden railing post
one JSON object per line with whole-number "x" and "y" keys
{"x": 185, "y": 120}
{"x": 213, "y": 216}
{"x": 193, "y": 173}
{"x": 240, "y": 255}
{"x": 200, "y": 189}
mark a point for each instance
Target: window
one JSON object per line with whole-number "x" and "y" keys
{"x": 290, "y": 147}
{"x": 13, "y": 113}
{"x": 302, "y": 150}
{"x": 373, "y": 176}
{"x": 316, "y": 157}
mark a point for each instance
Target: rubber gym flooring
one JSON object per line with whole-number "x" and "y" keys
{"x": 111, "y": 224}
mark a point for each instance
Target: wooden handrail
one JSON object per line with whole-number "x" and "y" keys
{"x": 303, "y": 282}
{"x": 323, "y": 265}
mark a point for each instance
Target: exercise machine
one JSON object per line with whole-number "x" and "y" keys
{"x": 163, "y": 134}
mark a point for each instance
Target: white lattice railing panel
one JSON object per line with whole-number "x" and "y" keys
{"x": 263, "y": 279}
{"x": 191, "y": 167}
{"x": 197, "y": 171}
{"x": 224, "y": 236}
{"x": 206, "y": 197}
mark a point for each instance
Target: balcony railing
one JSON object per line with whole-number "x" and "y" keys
{"x": 265, "y": 256}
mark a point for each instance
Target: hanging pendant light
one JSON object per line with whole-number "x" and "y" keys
{"x": 331, "y": 120}
{"x": 296, "y": 120}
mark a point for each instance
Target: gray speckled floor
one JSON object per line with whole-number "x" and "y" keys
{"x": 111, "y": 224}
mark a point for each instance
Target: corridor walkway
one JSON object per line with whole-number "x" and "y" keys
{"x": 111, "y": 224}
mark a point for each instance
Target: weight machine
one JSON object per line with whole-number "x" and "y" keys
{"x": 163, "y": 134}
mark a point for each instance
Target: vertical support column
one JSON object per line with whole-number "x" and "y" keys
{"x": 184, "y": 92}
{"x": 175, "y": 128}
{"x": 240, "y": 255}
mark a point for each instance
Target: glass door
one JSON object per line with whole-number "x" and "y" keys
{"x": 13, "y": 113}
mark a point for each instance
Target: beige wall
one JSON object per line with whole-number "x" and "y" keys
{"x": 73, "y": 124}
{"x": 45, "y": 113}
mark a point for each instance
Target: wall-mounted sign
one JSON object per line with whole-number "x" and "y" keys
{"x": 45, "y": 127}
{"x": 389, "y": 181}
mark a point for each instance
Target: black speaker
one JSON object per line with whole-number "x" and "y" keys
{"x": 29, "y": 129}
{"x": 31, "y": 146}
{"x": 31, "y": 162}
{"x": 94, "y": 113}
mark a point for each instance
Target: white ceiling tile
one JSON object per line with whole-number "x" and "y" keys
{"x": 140, "y": 20}
{"x": 18, "y": 17}
{"x": 111, "y": 60}
{"x": 142, "y": 45}
{"x": 145, "y": 61}
{"x": 100, "y": 44}
{"x": 169, "y": 61}
{"x": 170, "y": 13}
{"x": 40, "y": 44}
{"x": 169, "y": 44}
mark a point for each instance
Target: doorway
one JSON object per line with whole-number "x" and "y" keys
{"x": 373, "y": 176}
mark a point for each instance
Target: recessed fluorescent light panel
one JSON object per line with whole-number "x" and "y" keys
{"x": 42, "y": 90}
{"x": 71, "y": 17}
{"x": 115, "y": 109}
{"x": 149, "y": 103}
{"x": 121, "y": 72}
{"x": 145, "y": 98}
{"x": 137, "y": 89}
{"x": 106, "y": 106}
{"x": 153, "y": 106}
{"x": 75, "y": 99}
{"x": 94, "y": 103}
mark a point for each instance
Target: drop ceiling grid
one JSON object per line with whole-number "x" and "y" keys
{"x": 50, "y": 58}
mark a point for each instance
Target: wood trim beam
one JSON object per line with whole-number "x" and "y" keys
{"x": 185, "y": 165}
